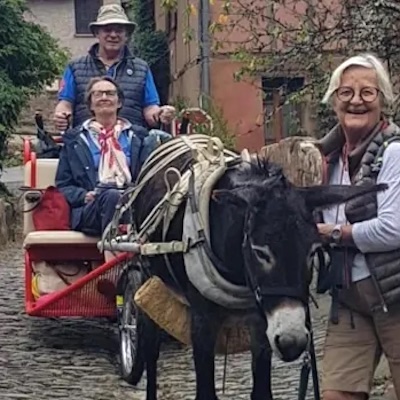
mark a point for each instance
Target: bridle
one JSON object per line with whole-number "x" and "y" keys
{"x": 262, "y": 292}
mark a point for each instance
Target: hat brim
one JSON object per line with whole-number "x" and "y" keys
{"x": 130, "y": 26}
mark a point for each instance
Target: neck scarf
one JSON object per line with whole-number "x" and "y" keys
{"x": 113, "y": 166}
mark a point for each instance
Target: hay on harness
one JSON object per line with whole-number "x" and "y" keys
{"x": 300, "y": 159}
{"x": 169, "y": 311}
{"x": 302, "y": 164}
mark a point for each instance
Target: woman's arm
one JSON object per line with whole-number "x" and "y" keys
{"x": 382, "y": 233}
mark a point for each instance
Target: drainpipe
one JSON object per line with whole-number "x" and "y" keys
{"x": 204, "y": 49}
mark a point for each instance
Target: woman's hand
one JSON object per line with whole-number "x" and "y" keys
{"x": 89, "y": 197}
{"x": 325, "y": 232}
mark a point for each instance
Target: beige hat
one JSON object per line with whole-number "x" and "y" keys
{"x": 112, "y": 14}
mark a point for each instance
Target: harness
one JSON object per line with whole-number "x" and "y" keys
{"x": 210, "y": 162}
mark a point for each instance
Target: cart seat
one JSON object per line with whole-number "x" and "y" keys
{"x": 41, "y": 176}
{"x": 53, "y": 238}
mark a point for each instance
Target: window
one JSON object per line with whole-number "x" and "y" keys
{"x": 281, "y": 120}
{"x": 85, "y": 13}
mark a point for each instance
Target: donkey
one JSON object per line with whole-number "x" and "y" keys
{"x": 262, "y": 235}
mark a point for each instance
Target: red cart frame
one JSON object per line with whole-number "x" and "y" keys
{"x": 82, "y": 298}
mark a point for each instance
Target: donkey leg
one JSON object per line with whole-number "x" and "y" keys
{"x": 261, "y": 363}
{"x": 152, "y": 344}
{"x": 204, "y": 333}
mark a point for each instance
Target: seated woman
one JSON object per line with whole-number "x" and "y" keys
{"x": 100, "y": 159}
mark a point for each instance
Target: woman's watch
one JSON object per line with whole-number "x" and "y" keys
{"x": 336, "y": 234}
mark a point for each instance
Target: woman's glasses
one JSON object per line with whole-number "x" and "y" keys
{"x": 97, "y": 94}
{"x": 367, "y": 94}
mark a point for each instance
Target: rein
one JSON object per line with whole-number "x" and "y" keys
{"x": 297, "y": 293}
{"x": 309, "y": 359}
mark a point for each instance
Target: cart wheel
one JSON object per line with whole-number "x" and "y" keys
{"x": 131, "y": 361}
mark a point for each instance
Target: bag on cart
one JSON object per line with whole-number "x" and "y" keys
{"x": 52, "y": 211}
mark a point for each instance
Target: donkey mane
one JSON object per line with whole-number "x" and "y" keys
{"x": 259, "y": 173}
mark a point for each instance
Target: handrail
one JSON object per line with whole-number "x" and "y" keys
{"x": 26, "y": 150}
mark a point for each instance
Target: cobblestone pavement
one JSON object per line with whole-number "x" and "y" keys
{"x": 47, "y": 359}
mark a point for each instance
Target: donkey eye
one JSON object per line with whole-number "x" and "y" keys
{"x": 264, "y": 256}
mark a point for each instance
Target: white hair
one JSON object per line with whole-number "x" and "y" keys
{"x": 367, "y": 61}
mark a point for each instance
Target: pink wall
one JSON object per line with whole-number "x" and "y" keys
{"x": 241, "y": 103}
{"x": 251, "y": 31}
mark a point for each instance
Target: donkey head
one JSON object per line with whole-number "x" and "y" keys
{"x": 279, "y": 241}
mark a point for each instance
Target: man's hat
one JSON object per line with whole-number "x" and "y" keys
{"x": 112, "y": 14}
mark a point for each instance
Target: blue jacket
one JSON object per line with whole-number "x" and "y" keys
{"x": 76, "y": 173}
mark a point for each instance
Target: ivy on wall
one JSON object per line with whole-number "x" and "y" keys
{"x": 29, "y": 59}
{"x": 149, "y": 44}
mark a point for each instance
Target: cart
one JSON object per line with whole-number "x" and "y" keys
{"x": 88, "y": 287}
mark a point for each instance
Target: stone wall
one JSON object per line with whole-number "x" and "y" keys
{"x": 45, "y": 104}
{"x": 10, "y": 222}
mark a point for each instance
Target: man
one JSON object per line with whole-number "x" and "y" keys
{"x": 111, "y": 56}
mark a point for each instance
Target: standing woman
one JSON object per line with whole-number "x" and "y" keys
{"x": 363, "y": 147}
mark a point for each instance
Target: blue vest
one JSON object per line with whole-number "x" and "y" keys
{"x": 130, "y": 73}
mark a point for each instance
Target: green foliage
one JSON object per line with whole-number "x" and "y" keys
{"x": 29, "y": 59}
{"x": 220, "y": 127}
{"x": 308, "y": 38}
{"x": 151, "y": 45}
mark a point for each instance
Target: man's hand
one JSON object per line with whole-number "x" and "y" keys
{"x": 152, "y": 115}
{"x": 89, "y": 197}
{"x": 155, "y": 114}
{"x": 61, "y": 121}
{"x": 62, "y": 113}
{"x": 167, "y": 114}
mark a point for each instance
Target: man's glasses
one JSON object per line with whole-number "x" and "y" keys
{"x": 97, "y": 94}
{"x": 367, "y": 94}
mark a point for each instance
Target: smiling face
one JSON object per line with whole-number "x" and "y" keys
{"x": 112, "y": 38}
{"x": 358, "y": 101}
{"x": 104, "y": 99}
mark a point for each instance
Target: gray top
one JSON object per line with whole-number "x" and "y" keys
{"x": 379, "y": 234}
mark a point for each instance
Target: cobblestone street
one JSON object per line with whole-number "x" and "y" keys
{"x": 74, "y": 359}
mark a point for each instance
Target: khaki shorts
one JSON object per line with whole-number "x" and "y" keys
{"x": 352, "y": 355}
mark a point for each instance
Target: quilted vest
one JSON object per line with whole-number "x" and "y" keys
{"x": 130, "y": 74}
{"x": 384, "y": 267}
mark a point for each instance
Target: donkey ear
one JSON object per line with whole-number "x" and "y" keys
{"x": 228, "y": 197}
{"x": 329, "y": 195}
